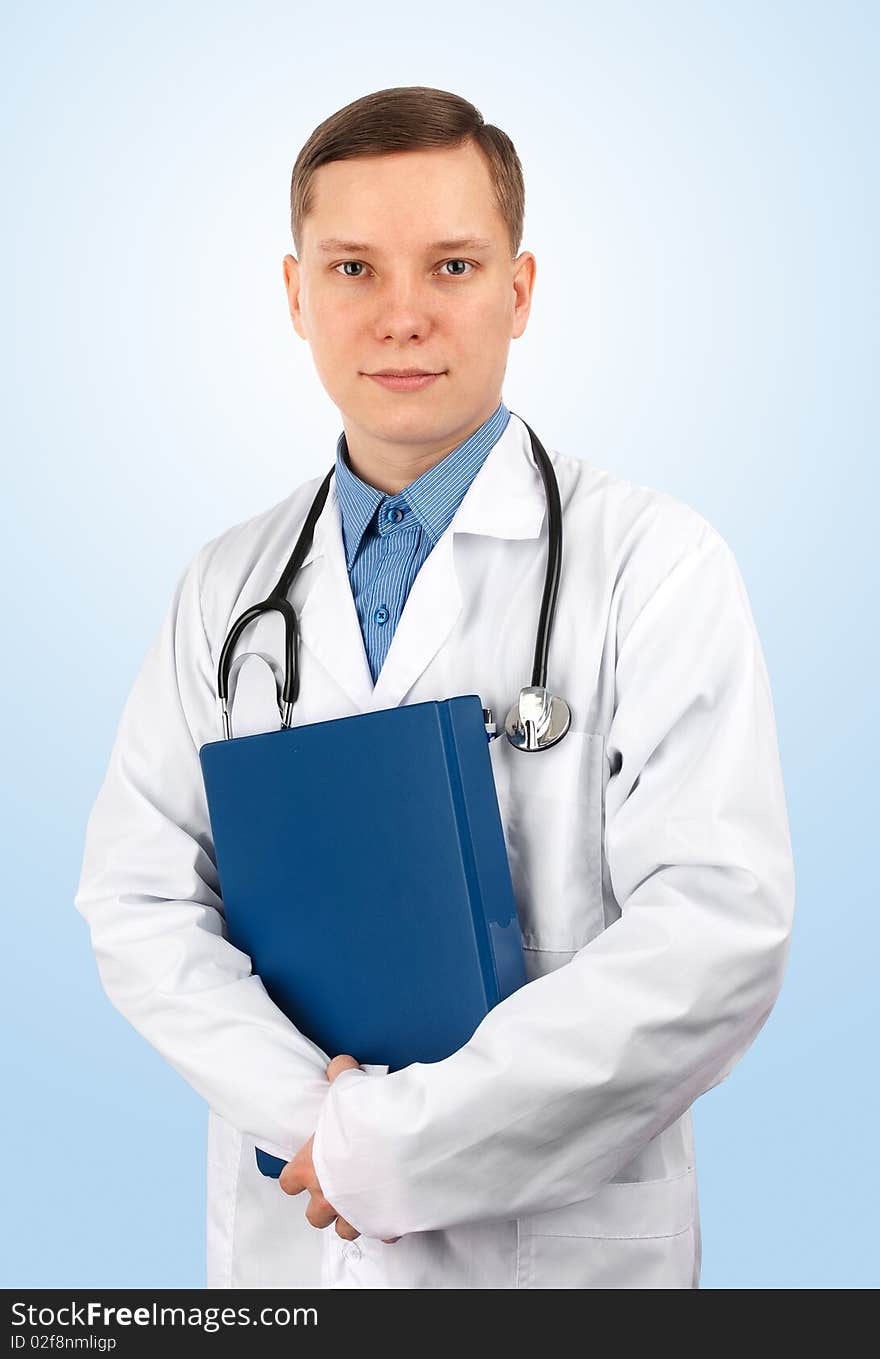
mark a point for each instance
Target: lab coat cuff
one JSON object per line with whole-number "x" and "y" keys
{"x": 284, "y": 1151}
{"x": 331, "y": 1152}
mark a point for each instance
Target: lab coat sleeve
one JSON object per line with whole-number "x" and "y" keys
{"x": 567, "y": 1079}
{"x": 150, "y": 893}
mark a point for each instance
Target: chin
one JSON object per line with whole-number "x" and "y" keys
{"x": 420, "y": 424}
{"x": 396, "y": 413}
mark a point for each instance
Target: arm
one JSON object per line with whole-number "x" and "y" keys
{"x": 150, "y": 893}
{"x": 567, "y": 1079}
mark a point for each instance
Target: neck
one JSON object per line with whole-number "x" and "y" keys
{"x": 391, "y": 466}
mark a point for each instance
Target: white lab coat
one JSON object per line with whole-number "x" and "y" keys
{"x": 651, "y": 861}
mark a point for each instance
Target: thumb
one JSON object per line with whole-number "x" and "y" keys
{"x": 344, "y": 1062}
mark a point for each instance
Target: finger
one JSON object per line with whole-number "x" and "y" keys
{"x": 345, "y": 1230}
{"x": 344, "y": 1062}
{"x": 291, "y": 1179}
{"x": 390, "y": 1240}
{"x": 320, "y": 1213}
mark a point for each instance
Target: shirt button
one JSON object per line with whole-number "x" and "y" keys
{"x": 381, "y": 615}
{"x": 395, "y": 514}
{"x": 352, "y": 1251}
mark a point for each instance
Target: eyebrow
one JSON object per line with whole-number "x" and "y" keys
{"x": 332, "y": 243}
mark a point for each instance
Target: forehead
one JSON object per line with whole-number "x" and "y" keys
{"x": 405, "y": 196}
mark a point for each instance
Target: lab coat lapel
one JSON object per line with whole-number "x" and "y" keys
{"x": 328, "y": 621}
{"x": 504, "y": 500}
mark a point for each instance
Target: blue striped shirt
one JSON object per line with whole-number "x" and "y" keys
{"x": 388, "y": 537}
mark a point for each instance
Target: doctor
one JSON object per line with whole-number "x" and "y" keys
{"x": 649, "y": 849}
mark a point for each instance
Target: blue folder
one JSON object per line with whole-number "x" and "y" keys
{"x": 363, "y": 869}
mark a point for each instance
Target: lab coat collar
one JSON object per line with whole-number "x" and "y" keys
{"x": 433, "y": 497}
{"x": 504, "y": 500}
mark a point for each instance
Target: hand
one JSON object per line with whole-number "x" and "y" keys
{"x": 299, "y": 1174}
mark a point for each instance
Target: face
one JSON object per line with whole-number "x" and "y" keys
{"x": 405, "y": 262}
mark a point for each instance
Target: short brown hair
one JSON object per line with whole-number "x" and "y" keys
{"x": 406, "y": 118}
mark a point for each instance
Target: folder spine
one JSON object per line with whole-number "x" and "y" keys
{"x": 485, "y": 952}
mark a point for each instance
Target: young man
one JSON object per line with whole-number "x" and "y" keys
{"x": 649, "y": 849}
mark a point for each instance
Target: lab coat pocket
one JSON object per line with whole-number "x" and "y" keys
{"x": 551, "y": 805}
{"x": 629, "y": 1234}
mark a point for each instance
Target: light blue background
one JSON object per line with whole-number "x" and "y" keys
{"x": 702, "y": 204}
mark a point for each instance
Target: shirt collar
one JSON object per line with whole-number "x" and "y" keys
{"x": 433, "y": 497}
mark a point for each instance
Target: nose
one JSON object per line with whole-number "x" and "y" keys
{"x": 403, "y": 307}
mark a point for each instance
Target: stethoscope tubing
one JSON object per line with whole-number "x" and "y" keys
{"x": 277, "y": 600}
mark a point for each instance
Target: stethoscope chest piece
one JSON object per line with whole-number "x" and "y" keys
{"x": 538, "y": 720}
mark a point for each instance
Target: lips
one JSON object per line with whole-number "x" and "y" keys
{"x": 409, "y": 382}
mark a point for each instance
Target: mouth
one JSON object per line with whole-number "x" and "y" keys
{"x": 404, "y": 379}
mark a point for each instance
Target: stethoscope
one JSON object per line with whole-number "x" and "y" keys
{"x": 536, "y": 721}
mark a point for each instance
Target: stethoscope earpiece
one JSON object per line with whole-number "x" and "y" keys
{"x": 538, "y": 720}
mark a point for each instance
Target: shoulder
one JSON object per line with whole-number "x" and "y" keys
{"x": 247, "y": 558}
{"x": 632, "y": 537}
{"x": 239, "y": 547}
{"x": 647, "y": 519}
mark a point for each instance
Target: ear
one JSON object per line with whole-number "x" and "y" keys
{"x": 290, "y": 267}
{"x": 524, "y": 270}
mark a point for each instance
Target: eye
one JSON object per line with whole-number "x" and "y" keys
{"x": 350, "y": 265}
